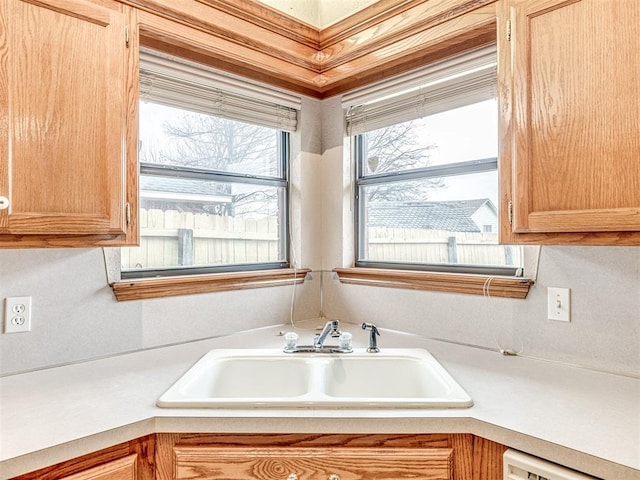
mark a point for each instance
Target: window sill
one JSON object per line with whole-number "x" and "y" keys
{"x": 493, "y": 286}
{"x": 215, "y": 282}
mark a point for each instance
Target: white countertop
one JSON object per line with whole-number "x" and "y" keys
{"x": 586, "y": 420}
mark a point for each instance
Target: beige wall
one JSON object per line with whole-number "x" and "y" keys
{"x": 76, "y": 317}
{"x": 605, "y": 286}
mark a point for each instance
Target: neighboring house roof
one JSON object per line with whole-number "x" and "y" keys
{"x": 452, "y": 216}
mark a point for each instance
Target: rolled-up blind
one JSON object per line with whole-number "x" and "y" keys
{"x": 187, "y": 85}
{"x": 463, "y": 80}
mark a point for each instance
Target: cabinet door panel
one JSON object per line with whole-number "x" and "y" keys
{"x": 63, "y": 107}
{"x": 313, "y": 463}
{"x": 121, "y": 469}
{"x": 576, "y": 116}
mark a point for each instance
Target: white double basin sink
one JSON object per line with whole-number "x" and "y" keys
{"x": 260, "y": 378}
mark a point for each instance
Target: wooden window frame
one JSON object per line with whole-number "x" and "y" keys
{"x": 486, "y": 285}
{"x": 139, "y": 289}
{"x": 213, "y": 274}
{"x": 490, "y": 281}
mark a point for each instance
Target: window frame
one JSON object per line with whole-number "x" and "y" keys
{"x": 436, "y": 171}
{"x": 491, "y": 283}
{"x": 175, "y": 82}
{"x": 281, "y": 181}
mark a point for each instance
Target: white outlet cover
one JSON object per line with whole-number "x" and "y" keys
{"x": 17, "y": 314}
{"x": 559, "y": 304}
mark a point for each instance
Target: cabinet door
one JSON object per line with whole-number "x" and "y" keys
{"x": 64, "y": 82}
{"x": 121, "y": 469}
{"x": 570, "y": 155}
{"x": 313, "y": 463}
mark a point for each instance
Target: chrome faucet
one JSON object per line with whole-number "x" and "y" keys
{"x": 331, "y": 328}
{"x": 373, "y": 342}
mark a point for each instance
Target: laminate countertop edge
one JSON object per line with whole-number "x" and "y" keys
{"x": 583, "y": 419}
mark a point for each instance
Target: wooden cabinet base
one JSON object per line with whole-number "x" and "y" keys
{"x": 133, "y": 460}
{"x": 336, "y": 456}
{"x": 193, "y": 456}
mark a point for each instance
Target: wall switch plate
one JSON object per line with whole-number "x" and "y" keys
{"x": 17, "y": 314}
{"x": 559, "y": 304}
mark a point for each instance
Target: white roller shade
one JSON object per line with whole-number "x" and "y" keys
{"x": 181, "y": 84}
{"x": 454, "y": 83}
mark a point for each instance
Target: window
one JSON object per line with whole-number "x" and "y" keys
{"x": 426, "y": 190}
{"x": 214, "y": 156}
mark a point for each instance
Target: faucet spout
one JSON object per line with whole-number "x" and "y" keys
{"x": 331, "y": 327}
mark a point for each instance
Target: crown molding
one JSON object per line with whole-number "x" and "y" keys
{"x": 249, "y": 38}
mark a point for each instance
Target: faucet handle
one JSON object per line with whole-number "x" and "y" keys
{"x": 344, "y": 341}
{"x": 290, "y": 341}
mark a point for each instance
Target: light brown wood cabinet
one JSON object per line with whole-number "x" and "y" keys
{"x": 569, "y": 86}
{"x": 197, "y": 456}
{"x": 132, "y": 460}
{"x": 338, "y": 463}
{"x": 68, "y": 103}
{"x": 121, "y": 469}
{"x": 327, "y": 457}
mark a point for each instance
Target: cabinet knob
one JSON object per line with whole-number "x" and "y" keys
{"x": 292, "y": 476}
{"x": 4, "y": 203}
{"x": 333, "y": 476}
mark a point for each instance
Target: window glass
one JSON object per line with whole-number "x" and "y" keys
{"x": 213, "y": 194}
{"x": 444, "y": 138}
{"x": 428, "y": 193}
{"x": 176, "y": 137}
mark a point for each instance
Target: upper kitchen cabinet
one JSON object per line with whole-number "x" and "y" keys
{"x": 569, "y": 87}
{"x": 68, "y": 122}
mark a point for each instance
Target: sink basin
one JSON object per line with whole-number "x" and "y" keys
{"x": 393, "y": 378}
{"x": 248, "y": 377}
{"x": 384, "y": 377}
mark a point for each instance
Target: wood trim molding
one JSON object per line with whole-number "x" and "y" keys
{"x": 252, "y": 39}
{"x": 395, "y": 30}
{"x": 235, "y": 35}
{"x": 470, "y": 31}
{"x": 216, "y": 282}
{"x": 264, "y": 16}
{"x": 364, "y": 19}
{"x": 491, "y": 286}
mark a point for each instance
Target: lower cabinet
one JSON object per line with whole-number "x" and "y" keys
{"x": 188, "y": 456}
{"x": 327, "y": 457}
{"x": 133, "y": 460}
{"x": 121, "y": 469}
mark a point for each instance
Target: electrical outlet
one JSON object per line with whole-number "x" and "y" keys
{"x": 559, "y": 304}
{"x": 17, "y": 314}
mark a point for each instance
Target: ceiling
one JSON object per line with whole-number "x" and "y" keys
{"x": 319, "y": 13}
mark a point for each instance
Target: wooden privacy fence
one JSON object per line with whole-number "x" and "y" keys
{"x": 415, "y": 245}
{"x": 173, "y": 238}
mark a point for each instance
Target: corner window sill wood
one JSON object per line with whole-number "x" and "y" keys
{"x": 215, "y": 282}
{"x": 492, "y": 286}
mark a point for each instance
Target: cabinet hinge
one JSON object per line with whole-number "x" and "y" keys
{"x": 510, "y": 212}
{"x": 127, "y": 213}
{"x": 508, "y": 30}
{"x": 126, "y": 36}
